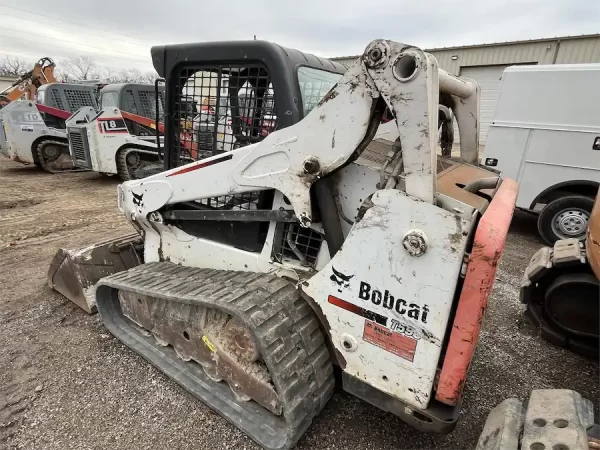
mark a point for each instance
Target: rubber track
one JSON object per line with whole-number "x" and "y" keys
{"x": 63, "y": 145}
{"x": 122, "y": 169}
{"x": 285, "y": 328}
{"x": 532, "y": 295}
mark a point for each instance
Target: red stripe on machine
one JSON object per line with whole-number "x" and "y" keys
{"x": 53, "y": 111}
{"x": 200, "y": 165}
{"x": 143, "y": 120}
{"x": 381, "y": 320}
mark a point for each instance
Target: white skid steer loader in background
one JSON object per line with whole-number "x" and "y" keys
{"x": 312, "y": 246}
{"x": 120, "y": 139}
{"x": 35, "y": 132}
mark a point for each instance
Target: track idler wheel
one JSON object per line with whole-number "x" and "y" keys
{"x": 240, "y": 341}
{"x": 132, "y": 159}
{"x": 51, "y": 152}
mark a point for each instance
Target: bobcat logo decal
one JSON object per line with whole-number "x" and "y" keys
{"x": 342, "y": 281}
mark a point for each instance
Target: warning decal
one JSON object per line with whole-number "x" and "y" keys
{"x": 390, "y": 341}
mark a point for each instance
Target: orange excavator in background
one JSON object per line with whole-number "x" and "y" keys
{"x": 28, "y": 83}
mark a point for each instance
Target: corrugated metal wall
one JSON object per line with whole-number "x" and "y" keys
{"x": 576, "y": 51}
{"x": 572, "y": 50}
{"x": 541, "y": 53}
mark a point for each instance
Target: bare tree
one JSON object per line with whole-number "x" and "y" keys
{"x": 131, "y": 76}
{"x": 79, "y": 68}
{"x": 85, "y": 68}
{"x": 63, "y": 76}
{"x": 149, "y": 77}
{"x": 14, "y": 66}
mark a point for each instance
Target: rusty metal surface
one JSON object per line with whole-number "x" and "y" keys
{"x": 74, "y": 273}
{"x": 212, "y": 338}
{"x": 450, "y": 174}
{"x": 593, "y": 238}
{"x": 451, "y": 179}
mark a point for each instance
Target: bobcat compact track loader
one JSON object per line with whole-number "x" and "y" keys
{"x": 260, "y": 269}
{"x": 121, "y": 138}
{"x": 561, "y": 290}
{"x": 35, "y": 133}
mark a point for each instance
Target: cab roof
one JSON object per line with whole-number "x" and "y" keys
{"x": 165, "y": 57}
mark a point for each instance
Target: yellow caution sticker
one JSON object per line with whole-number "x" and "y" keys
{"x": 209, "y": 344}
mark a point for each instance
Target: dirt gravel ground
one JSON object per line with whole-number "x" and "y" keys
{"x": 65, "y": 383}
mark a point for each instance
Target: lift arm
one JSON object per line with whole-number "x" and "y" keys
{"x": 400, "y": 77}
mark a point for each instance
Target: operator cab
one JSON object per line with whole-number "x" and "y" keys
{"x": 139, "y": 99}
{"x": 255, "y": 88}
{"x": 66, "y": 97}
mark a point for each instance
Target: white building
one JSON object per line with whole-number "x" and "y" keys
{"x": 6, "y": 82}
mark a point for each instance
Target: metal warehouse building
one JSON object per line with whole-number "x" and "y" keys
{"x": 486, "y": 62}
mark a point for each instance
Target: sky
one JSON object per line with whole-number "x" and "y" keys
{"x": 119, "y": 34}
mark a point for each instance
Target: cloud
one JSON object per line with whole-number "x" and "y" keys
{"x": 120, "y": 33}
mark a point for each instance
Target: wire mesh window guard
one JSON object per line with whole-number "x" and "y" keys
{"x": 78, "y": 98}
{"x": 296, "y": 243}
{"x": 220, "y": 108}
{"x": 238, "y": 202}
{"x": 148, "y": 103}
{"x": 55, "y": 99}
{"x": 129, "y": 102}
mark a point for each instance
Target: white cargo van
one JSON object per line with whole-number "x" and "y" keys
{"x": 546, "y": 135}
